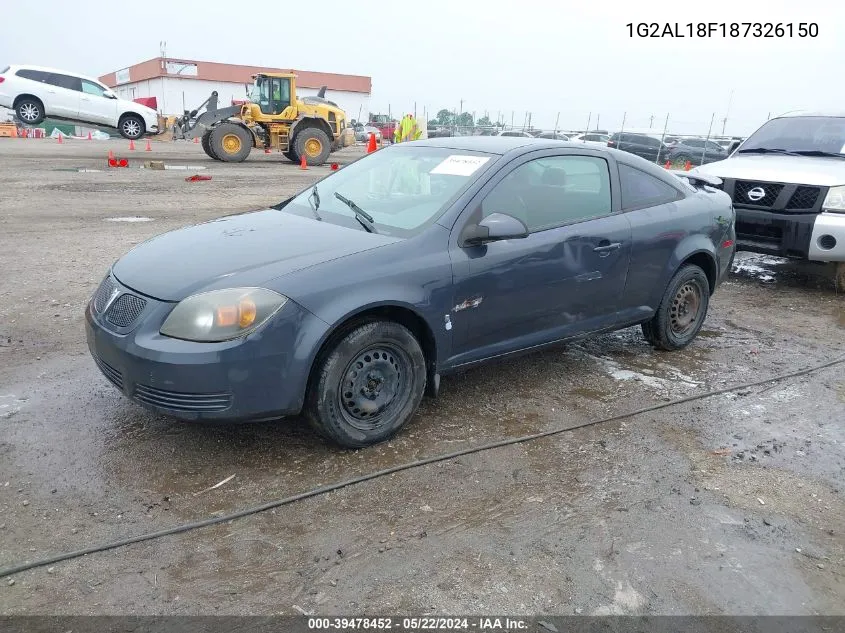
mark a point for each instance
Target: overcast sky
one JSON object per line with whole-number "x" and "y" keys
{"x": 564, "y": 56}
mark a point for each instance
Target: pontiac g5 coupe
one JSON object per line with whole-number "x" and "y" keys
{"x": 351, "y": 299}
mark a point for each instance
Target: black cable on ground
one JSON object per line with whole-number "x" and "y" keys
{"x": 316, "y": 492}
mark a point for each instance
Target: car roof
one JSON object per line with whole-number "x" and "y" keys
{"x": 504, "y": 144}
{"x": 826, "y": 113}
{"x": 47, "y": 69}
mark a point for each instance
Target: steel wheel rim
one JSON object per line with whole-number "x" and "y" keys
{"x": 231, "y": 143}
{"x": 29, "y": 112}
{"x": 313, "y": 147}
{"x": 686, "y": 305}
{"x": 373, "y": 386}
{"x": 131, "y": 128}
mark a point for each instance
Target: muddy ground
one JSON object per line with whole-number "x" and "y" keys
{"x": 733, "y": 504}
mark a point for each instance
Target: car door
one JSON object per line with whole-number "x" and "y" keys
{"x": 64, "y": 93}
{"x": 565, "y": 277}
{"x": 95, "y": 107}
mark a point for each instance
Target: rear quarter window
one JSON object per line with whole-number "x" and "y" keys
{"x": 35, "y": 75}
{"x": 641, "y": 190}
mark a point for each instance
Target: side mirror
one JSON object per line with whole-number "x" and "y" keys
{"x": 493, "y": 228}
{"x": 108, "y": 94}
{"x": 733, "y": 146}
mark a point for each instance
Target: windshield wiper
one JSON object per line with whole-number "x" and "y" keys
{"x": 364, "y": 218}
{"x": 315, "y": 204}
{"x": 767, "y": 150}
{"x": 816, "y": 152}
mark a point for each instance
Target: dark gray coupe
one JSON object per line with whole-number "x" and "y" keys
{"x": 349, "y": 300}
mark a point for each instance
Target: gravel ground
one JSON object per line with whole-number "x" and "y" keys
{"x": 729, "y": 505}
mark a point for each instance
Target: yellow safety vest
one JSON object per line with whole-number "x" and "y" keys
{"x": 407, "y": 130}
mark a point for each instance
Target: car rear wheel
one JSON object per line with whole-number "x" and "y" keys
{"x": 368, "y": 385}
{"x": 30, "y": 110}
{"x": 681, "y": 312}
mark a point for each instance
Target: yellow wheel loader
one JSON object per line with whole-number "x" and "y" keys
{"x": 272, "y": 118}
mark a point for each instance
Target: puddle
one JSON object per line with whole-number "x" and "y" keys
{"x": 129, "y": 219}
{"x": 10, "y": 405}
{"x": 760, "y": 267}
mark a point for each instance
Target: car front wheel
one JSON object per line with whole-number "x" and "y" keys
{"x": 682, "y": 310}
{"x": 131, "y": 126}
{"x": 368, "y": 385}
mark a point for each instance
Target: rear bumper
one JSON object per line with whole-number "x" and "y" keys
{"x": 813, "y": 236}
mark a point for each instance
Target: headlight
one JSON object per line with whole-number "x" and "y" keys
{"x": 835, "y": 199}
{"x": 221, "y": 315}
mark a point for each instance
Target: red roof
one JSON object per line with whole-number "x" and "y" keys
{"x": 213, "y": 71}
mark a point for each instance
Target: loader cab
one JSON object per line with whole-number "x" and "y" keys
{"x": 271, "y": 93}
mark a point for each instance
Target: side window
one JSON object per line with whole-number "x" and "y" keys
{"x": 90, "y": 88}
{"x": 35, "y": 75}
{"x": 549, "y": 192}
{"x": 640, "y": 189}
{"x": 651, "y": 142}
{"x": 693, "y": 142}
{"x": 66, "y": 81}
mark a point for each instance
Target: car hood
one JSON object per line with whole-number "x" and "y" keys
{"x": 239, "y": 250}
{"x": 802, "y": 170}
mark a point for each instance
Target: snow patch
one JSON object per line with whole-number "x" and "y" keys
{"x": 136, "y": 218}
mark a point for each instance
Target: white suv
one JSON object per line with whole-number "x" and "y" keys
{"x": 34, "y": 93}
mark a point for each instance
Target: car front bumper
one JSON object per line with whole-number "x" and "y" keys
{"x": 258, "y": 377}
{"x": 813, "y": 236}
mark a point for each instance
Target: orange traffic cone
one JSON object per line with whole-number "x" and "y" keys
{"x": 148, "y": 148}
{"x": 371, "y": 146}
{"x": 60, "y": 138}
{"x": 111, "y": 155}
{"x": 303, "y": 164}
{"x": 89, "y": 136}
{"x": 196, "y": 139}
{"x": 668, "y": 164}
{"x": 131, "y": 145}
{"x": 687, "y": 166}
{"x": 334, "y": 166}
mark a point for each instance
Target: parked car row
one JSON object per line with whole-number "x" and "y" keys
{"x": 696, "y": 151}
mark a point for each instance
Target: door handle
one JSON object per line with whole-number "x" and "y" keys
{"x": 605, "y": 247}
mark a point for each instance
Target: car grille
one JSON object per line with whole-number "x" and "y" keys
{"x": 742, "y": 188}
{"x": 803, "y": 198}
{"x": 125, "y": 309}
{"x": 175, "y": 401}
{"x": 103, "y": 293}
{"x": 114, "y": 376}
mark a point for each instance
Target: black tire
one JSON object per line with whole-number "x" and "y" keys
{"x": 839, "y": 276}
{"x": 681, "y": 312}
{"x": 205, "y": 141}
{"x": 30, "y": 110}
{"x": 357, "y": 409}
{"x": 131, "y": 126}
{"x": 291, "y": 156}
{"x": 230, "y": 142}
{"x": 305, "y": 143}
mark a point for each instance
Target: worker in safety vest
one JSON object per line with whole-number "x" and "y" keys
{"x": 407, "y": 130}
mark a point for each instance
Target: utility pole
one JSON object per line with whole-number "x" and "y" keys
{"x": 511, "y": 119}
{"x": 529, "y": 120}
{"x": 557, "y": 120}
{"x": 727, "y": 112}
{"x": 665, "y": 127}
{"x": 589, "y": 118}
{"x": 709, "y": 131}
{"x": 624, "y": 115}
{"x": 651, "y": 122}
{"x": 598, "y": 120}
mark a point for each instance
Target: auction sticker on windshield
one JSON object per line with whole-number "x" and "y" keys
{"x": 456, "y": 165}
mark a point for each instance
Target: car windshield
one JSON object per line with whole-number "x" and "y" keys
{"x": 403, "y": 188}
{"x": 800, "y": 134}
